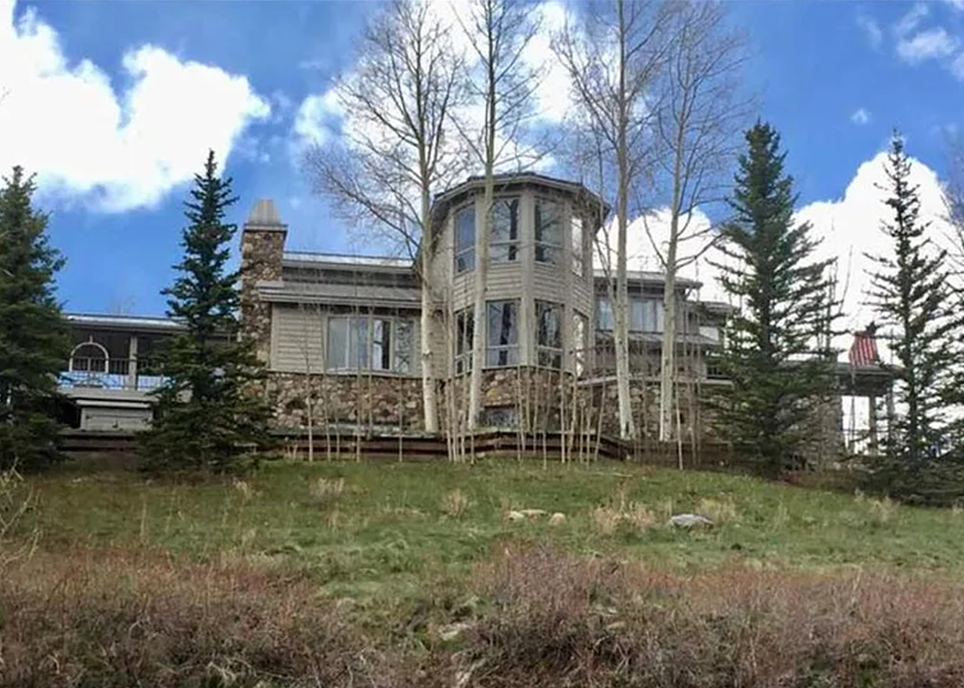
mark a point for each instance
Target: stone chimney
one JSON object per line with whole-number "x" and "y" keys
{"x": 262, "y": 247}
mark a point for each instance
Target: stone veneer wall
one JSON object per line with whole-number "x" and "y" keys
{"x": 367, "y": 400}
{"x": 261, "y": 257}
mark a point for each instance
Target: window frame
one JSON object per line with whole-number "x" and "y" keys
{"x": 464, "y": 332}
{"x": 551, "y": 253}
{"x": 549, "y": 355}
{"x": 578, "y": 248}
{"x": 512, "y": 244}
{"x": 604, "y": 307}
{"x": 467, "y": 252}
{"x": 360, "y": 356}
{"x": 580, "y": 342}
{"x": 507, "y": 355}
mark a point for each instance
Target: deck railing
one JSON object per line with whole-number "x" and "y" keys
{"x": 112, "y": 374}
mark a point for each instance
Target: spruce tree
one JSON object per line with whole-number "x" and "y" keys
{"x": 211, "y": 410}
{"x": 34, "y": 338}
{"x": 775, "y": 351}
{"x": 912, "y": 293}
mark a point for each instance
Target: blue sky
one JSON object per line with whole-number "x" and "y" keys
{"x": 114, "y": 104}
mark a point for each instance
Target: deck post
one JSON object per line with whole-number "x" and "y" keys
{"x": 872, "y": 422}
{"x": 132, "y": 362}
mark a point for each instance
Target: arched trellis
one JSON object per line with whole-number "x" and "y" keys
{"x": 98, "y": 363}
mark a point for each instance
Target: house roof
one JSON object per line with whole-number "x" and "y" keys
{"x": 340, "y": 260}
{"x": 129, "y": 323}
{"x": 649, "y": 277}
{"x": 340, "y": 294}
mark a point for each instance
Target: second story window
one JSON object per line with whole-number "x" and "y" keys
{"x": 549, "y": 334}
{"x": 504, "y": 237}
{"x": 502, "y": 347}
{"x": 578, "y": 246}
{"x": 465, "y": 239}
{"x": 548, "y": 231}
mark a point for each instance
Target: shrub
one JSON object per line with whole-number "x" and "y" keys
{"x": 557, "y": 620}
{"x": 454, "y": 504}
{"x": 115, "y": 619}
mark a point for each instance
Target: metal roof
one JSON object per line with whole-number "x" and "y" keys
{"x": 647, "y": 277}
{"x": 307, "y": 257}
{"x": 341, "y": 294}
{"x": 125, "y": 322}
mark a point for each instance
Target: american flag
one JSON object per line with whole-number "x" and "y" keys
{"x": 863, "y": 351}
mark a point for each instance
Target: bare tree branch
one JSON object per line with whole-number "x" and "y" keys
{"x": 393, "y": 153}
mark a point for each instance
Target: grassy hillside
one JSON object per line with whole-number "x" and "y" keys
{"x": 431, "y": 561}
{"x": 361, "y": 525}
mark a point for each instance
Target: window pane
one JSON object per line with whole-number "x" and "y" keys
{"x": 637, "y": 315}
{"x": 464, "y": 330}
{"x": 503, "y": 325}
{"x": 502, "y": 333}
{"x": 504, "y": 237}
{"x": 548, "y": 316}
{"x": 382, "y": 344}
{"x": 580, "y": 327}
{"x": 549, "y": 334}
{"x": 604, "y": 314}
{"x": 337, "y": 357}
{"x": 502, "y": 356}
{"x": 465, "y": 239}
{"x": 548, "y": 231}
{"x": 403, "y": 346}
{"x": 578, "y": 247}
{"x": 359, "y": 343}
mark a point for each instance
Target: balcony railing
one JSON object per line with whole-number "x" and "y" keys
{"x": 110, "y": 374}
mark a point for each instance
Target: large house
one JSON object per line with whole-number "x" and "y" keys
{"x": 348, "y": 328}
{"x": 341, "y": 335}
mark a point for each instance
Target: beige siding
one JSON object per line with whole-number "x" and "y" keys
{"x": 298, "y": 339}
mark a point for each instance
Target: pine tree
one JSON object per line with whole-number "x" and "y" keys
{"x": 210, "y": 410}
{"x": 912, "y": 293}
{"x": 780, "y": 371}
{"x": 34, "y": 339}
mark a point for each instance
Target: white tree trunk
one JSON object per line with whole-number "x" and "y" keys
{"x": 627, "y": 427}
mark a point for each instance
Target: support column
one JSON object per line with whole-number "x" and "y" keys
{"x": 132, "y": 362}
{"x": 872, "y": 416}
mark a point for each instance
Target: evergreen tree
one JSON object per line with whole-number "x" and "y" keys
{"x": 211, "y": 409}
{"x": 776, "y": 350}
{"x": 34, "y": 338}
{"x": 912, "y": 293}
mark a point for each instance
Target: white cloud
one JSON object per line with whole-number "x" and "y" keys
{"x": 860, "y": 117}
{"x": 314, "y": 117}
{"x": 927, "y": 45}
{"x": 115, "y": 151}
{"x": 848, "y": 229}
{"x": 911, "y": 20}
{"x": 871, "y": 29}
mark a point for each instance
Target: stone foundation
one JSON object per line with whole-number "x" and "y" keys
{"x": 531, "y": 398}
{"x": 372, "y": 401}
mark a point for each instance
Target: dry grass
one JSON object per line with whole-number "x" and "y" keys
{"x": 325, "y": 490}
{"x": 718, "y": 511}
{"x": 560, "y": 620}
{"x": 608, "y": 518}
{"x": 113, "y": 618}
{"x": 454, "y": 504}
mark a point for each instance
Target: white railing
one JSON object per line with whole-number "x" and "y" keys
{"x": 113, "y": 374}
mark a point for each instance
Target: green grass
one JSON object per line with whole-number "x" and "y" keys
{"x": 388, "y": 531}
